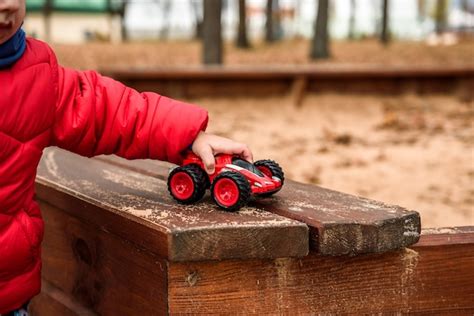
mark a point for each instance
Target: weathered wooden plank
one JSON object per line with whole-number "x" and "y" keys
{"x": 339, "y": 223}
{"x": 443, "y": 236}
{"x": 269, "y": 72}
{"x": 345, "y": 224}
{"x": 424, "y": 279}
{"x": 43, "y": 304}
{"x": 138, "y": 208}
{"x": 271, "y": 81}
{"x": 53, "y": 301}
{"x": 98, "y": 271}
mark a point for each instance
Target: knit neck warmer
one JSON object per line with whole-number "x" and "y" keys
{"x": 13, "y": 49}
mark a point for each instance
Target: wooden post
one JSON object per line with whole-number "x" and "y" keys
{"x": 298, "y": 89}
{"x": 212, "y": 36}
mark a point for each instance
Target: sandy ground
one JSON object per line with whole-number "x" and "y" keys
{"x": 153, "y": 54}
{"x": 413, "y": 151}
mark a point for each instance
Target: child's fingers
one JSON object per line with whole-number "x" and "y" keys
{"x": 208, "y": 145}
{"x": 247, "y": 154}
{"x": 207, "y": 157}
{"x": 242, "y": 150}
{"x": 227, "y": 146}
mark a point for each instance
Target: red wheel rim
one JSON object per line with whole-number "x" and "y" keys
{"x": 226, "y": 192}
{"x": 182, "y": 185}
{"x": 266, "y": 171}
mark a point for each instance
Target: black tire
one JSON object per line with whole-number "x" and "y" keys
{"x": 243, "y": 190}
{"x": 200, "y": 182}
{"x": 275, "y": 170}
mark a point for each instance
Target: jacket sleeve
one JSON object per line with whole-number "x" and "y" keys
{"x": 97, "y": 115}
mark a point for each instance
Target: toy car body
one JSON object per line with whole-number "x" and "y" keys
{"x": 232, "y": 184}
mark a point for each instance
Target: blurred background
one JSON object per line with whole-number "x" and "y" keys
{"x": 368, "y": 97}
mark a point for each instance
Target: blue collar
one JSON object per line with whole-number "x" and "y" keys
{"x": 13, "y": 49}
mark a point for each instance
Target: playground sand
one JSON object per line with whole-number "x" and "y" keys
{"x": 98, "y": 55}
{"x": 413, "y": 151}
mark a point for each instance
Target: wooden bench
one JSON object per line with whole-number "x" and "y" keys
{"x": 265, "y": 81}
{"x": 117, "y": 244}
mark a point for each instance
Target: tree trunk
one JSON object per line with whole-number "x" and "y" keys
{"x": 198, "y": 18}
{"x": 467, "y": 6}
{"x": 421, "y": 10}
{"x": 351, "y": 34}
{"x": 123, "y": 26}
{"x": 273, "y": 30}
{"x": 320, "y": 42}
{"x": 385, "y": 32}
{"x": 277, "y": 28}
{"x": 269, "y": 23}
{"x": 166, "y": 15}
{"x": 47, "y": 10}
{"x": 212, "y": 37}
{"x": 242, "y": 39}
{"x": 441, "y": 16}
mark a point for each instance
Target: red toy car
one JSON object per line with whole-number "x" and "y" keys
{"x": 232, "y": 184}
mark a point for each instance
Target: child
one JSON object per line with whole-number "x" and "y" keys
{"x": 43, "y": 104}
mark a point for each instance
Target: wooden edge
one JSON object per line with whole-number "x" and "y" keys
{"x": 181, "y": 245}
{"x": 426, "y": 280}
{"x": 250, "y": 234}
{"x": 386, "y": 235}
{"x": 446, "y": 236}
{"x": 146, "y": 235}
{"x": 328, "y": 238}
{"x": 268, "y": 72}
{"x": 237, "y": 245}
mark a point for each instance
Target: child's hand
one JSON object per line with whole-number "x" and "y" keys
{"x": 207, "y": 145}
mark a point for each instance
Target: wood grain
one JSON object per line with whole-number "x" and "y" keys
{"x": 115, "y": 244}
{"x": 98, "y": 271}
{"x": 53, "y": 301}
{"x": 345, "y": 224}
{"x": 339, "y": 223}
{"x": 138, "y": 208}
{"x": 444, "y": 236}
{"x": 424, "y": 279}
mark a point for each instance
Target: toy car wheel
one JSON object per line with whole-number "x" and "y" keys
{"x": 230, "y": 190}
{"x": 187, "y": 184}
{"x": 271, "y": 169}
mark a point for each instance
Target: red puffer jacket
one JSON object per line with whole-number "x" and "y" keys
{"x": 43, "y": 104}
